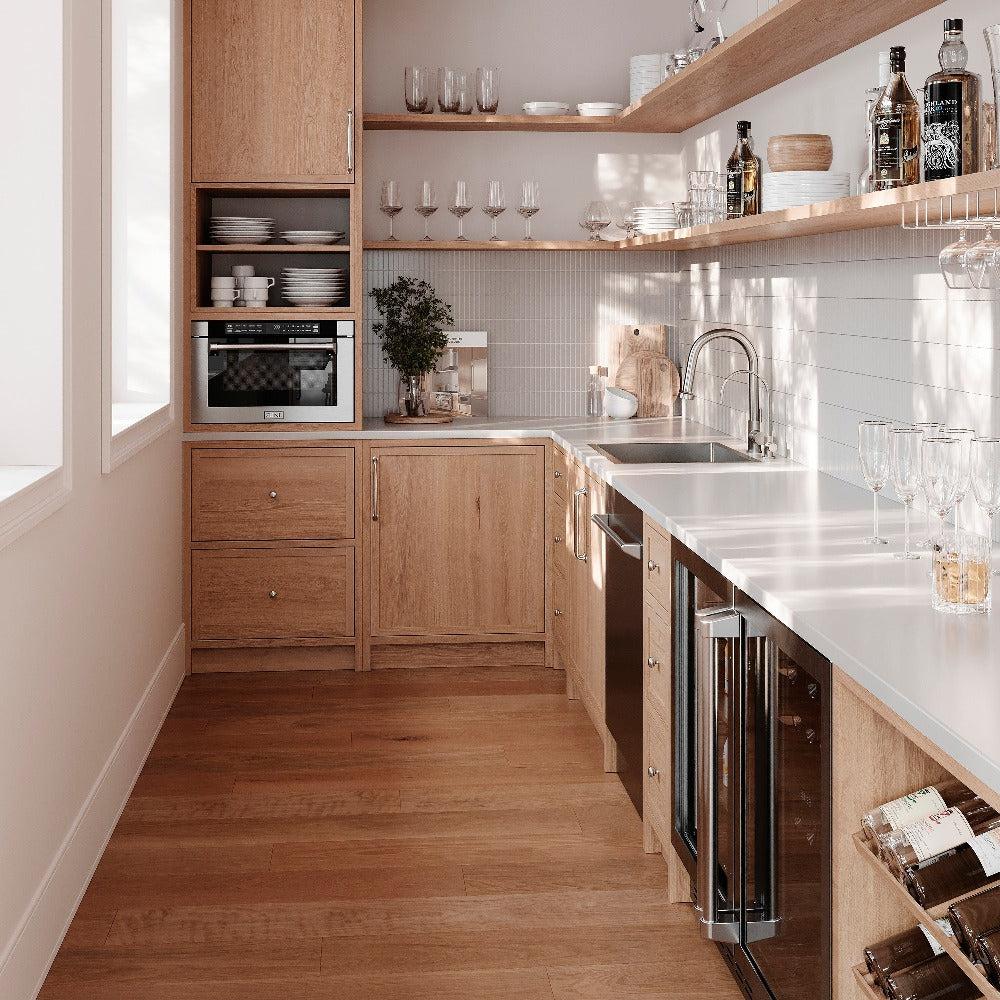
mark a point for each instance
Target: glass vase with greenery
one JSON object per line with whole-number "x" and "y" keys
{"x": 412, "y": 332}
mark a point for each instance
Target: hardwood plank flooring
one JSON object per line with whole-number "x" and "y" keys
{"x": 399, "y": 835}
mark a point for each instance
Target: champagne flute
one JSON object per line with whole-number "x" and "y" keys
{"x": 967, "y": 437}
{"x": 986, "y": 480}
{"x": 496, "y": 204}
{"x": 529, "y": 205}
{"x": 906, "y": 477}
{"x": 930, "y": 428}
{"x": 596, "y": 219}
{"x": 427, "y": 204}
{"x": 873, "y": 447}
{"x": 460, "y": 206}
{"x": 391, "y": 204}
{"x": 942, "y": 470}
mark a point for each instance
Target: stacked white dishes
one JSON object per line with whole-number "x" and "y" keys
{"x": 544, "y": 108}
{"x": 313, "y": 236}
{"x": 240, "y": 229}
{"x": 653, "y": 219}
{"x": 645, "y": 73}
{"x": 791, "y": 188}
{"x": 598, "y": 109}
{"x": 313, "y": 286}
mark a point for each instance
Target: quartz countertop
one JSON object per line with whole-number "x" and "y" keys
{"x": 789, "y": 537}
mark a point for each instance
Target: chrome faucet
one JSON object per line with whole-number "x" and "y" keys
{"x": 755, "y": 438}
{"x": 769, "y": 442}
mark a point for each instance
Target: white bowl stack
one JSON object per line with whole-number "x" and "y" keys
{"x": 313, "y": 286}
{"x": 312, "y": 236}
{"x": 792, "y": 188}
{"x": 240, "y": 229}
{"x": 653, "y": 219}
{"x": 645, "y": 73}
{"x": 598, "y": 109}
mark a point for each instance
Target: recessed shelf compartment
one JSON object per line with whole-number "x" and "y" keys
{"x": 927, "y": 917}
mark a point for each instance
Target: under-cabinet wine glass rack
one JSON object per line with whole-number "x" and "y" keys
{"x": 973, "y": 210}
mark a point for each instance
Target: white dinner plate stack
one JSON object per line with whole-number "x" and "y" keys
{"x": 240, "y": 229}
{"x": 598, "y": 109}
{"x": 313, "y": 286}
{"x": 545, "y": 108}
{"x": 645, "y": 73}
{"x": 791, "y": 188}
{"x": 312, "y": 236}
{"x": 653, "y": 219}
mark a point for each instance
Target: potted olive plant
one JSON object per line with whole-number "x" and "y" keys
{"x": 412, "y": 333}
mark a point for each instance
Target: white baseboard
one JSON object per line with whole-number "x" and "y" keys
{"x": 29, "y": 953}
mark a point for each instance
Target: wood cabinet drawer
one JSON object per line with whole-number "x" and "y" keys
{"x": 288, "y": 593}
{"x": 246, "y": 494}
{"x": 656, "y": 797}
{"x": 562, "y": 617}
{"x": 562, "y": 537}
{"x": 561, "y": 472}
{"x": 657, "y": 658}
{"x": 656, "y": 552}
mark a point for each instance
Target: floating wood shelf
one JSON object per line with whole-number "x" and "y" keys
{"x": 792, "y": 37}
{"x": 926, "y": 919}
{"x": 492, "y": 245}
{"x": 273, "y": 312}
{"x": 273, "y": 248}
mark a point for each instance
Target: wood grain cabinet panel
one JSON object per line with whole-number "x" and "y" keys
{"x": 272, "y": 88}
{"x": 657, "y": 658}
{"x": 656, "y": 552}
{"x": 293, "y": 593}
{"x": 458, "y": 543}
{"x": 272, "y": 495}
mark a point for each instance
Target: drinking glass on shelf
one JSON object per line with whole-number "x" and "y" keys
{"x": 391, "y": 204}
{"x": 495, "y": 205}
{"x": 488, "y": 89}
{"x": 953, "y": 263}
{"x": 625, "y": 218}
{"x": 460, "y": 205}
{"x": 942, "y": 473}
{"x": 596, "y": 218}
{"x": 427, "y": 204}
{"x": 417, "y": 88}
{"x": 685, "y": 214}
{"x": 873, "y": 447}
{"x": 530, "y": 196}
{"x": 906, "y": 443}
{"x": 447, "y": 89}
{"x": 981, "y": 261}
{"x": 466, "y": 96}
{"x": 986, "y": 480}
{"x": 967, "y": 437}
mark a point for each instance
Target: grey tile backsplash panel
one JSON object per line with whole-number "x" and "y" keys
{"x": 547, "y": 314}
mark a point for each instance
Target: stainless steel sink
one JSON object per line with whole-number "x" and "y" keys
{"x": 672, "y": 453}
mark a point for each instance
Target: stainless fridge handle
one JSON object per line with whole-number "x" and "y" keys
{"x": 374, "y": 487}
{"x": 578, "y": 495}
{"x": 603, "y": 521}
{"x": 712, "y": 625}
{"x": 350, "y": 141}
{"x": 326, "y": 346}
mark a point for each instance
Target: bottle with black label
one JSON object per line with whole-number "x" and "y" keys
{"x": 951, "y": 111}
{"x": 743, "y": 177}
{"x": 896, "y": 130}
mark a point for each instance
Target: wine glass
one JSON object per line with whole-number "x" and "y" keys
{"x": 966, "y": 436}
{"x": 708, "y": 14}
{"x": 906, "y": 443}
{"x": 625, "y": 218}
{"x": 873, "y": 447}
{"x": 427, "y": 204}
{"x": 596, "y": 219}
{"x": 447, "y": 89}
{"x": 488, "y": 89}
{"x": 980, "y": 260}
{"x": 986, "y": 480}
{"x": 930, "y": 428}
{"x": 416, "y": 88}
{"x": 941, "y": 465}
{"x": 496, "y": 204}
{"x": 391, "y": 204}
{"x": 953, "y": 263}
{"x": 529, "y": 206}
{"x": 460, "y": 206}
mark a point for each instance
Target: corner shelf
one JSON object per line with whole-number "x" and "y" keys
{"x": 488, "y": 123}
{"x": 574, "y": 245}
{"x": 273, "y": 248}
{"x": 926, "y": 918}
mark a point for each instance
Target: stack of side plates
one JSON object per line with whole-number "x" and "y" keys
{"x": 240, "y": 229}
{"x": 653, "y": 219}
{"x": 545, "y": 108}
{"x": 317, "y": 236}
{"x": 645, "y": 73}
{"x": 598, "y": 109}
{"x": 313, "y": 286}
{"x": 790, "y": 188}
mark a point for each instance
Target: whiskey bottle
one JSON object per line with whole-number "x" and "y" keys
{"x": 951, "y": 111}
{"x": 938, "y": 979}
{"x": 903, "y": 951}
{"x": 743, "y": 177}
{"x": 896, "y": 130}
{"x": 935, "y": 835}
{"x": 989, "y": 948}
{"x": 969, "y": 867}
{"x": 974, "y": 918}
{"x": 871, "y": 98}
{"x": 916, "y": 806}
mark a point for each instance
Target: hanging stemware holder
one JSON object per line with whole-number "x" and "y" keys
{"x": 977, "y": 211}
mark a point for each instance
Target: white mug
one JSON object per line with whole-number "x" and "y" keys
{"x": 223, "y": 282}
{"x": 259, "y": 283}
{"x": 254, "y": 295}
{"x": 257, "y": 304}
{"x": 224, "y": 294}
{"x": 244, "y": 271}
{"x": 222, "y": 303}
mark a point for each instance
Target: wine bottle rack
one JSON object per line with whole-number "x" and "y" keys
{"x": 866, "y": 984}
{"x": 926, "y": 918}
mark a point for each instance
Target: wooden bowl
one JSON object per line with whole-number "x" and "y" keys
{"x": 799, "y": 152}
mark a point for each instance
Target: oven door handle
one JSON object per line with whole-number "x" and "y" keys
{"x": 325, "y": 346}
{"x": 630, "y": 548}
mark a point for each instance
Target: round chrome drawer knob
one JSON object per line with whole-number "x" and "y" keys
{"x": 273, "y": 594}
{"x": 558, "y": 539}
{"x": 651, "y": 663}
{"x": 558, "y": 475}
{"x": 652, "y": 771}
{"x": 651, "y": 566}
{"x": 273, "y": 495}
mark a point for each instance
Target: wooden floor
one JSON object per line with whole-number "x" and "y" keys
{"x": 397, "y": 835}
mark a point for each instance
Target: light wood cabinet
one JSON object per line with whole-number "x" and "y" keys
{"x": 457, "y": 540}
{"x": 272, "y": 90}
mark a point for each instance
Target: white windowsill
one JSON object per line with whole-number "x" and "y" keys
{"x": 28, "y": 495}
{"x": 134, "y": 426}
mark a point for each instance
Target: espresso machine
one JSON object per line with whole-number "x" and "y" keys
{"x": 459, "y": 381}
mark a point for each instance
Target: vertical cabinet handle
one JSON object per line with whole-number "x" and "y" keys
{"x": 374, "y": 487}
{"x": 350, "y": 141}
{"x": 578, "y": 495}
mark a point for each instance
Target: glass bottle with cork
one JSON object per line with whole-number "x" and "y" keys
{"x": 896, "y": 130}
{"x": 743, "y": 173}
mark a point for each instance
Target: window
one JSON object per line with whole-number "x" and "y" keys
{"x": 34, "y": 479}
{"x": 137, "y": 183}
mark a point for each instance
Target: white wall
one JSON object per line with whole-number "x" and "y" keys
{"x": 91, "y": 616}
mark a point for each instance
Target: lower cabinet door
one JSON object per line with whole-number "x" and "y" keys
{"x": 287, "y": 593}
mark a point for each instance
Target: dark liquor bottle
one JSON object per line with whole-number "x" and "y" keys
{"x": 989, "y": 948}
{"x": 743, "y": 174}
{"x": 903, "y": 951}
{"x": 973, "y": 918}
{"x": 951, "y": 111}
{"x": 966, "y": 869}
{"x": 917, "y": 805}
{"x": 896, "y": 130}
{"x": 938, "y": 979}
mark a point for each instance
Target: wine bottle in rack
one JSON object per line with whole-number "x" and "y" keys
{"x": 970, "y": 866}
{"x": 973, "y": 918}
{"x": 935, "y": 835}
{"x": 902, "y": 951}
{"x": 938, "y": 979}
{"x": 989, "y": 948}
{"x": 917, "y": 805}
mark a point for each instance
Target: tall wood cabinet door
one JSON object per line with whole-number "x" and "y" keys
{"x": 272, "y": 90}
{"x": 458, "y": 546}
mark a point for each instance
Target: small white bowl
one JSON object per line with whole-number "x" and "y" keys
{"x": 620, "y": 404}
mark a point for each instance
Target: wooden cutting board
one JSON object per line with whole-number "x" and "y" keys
{"x": 640, "y": 366}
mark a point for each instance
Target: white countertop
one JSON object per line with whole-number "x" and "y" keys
{"x": 788, "y": 537}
